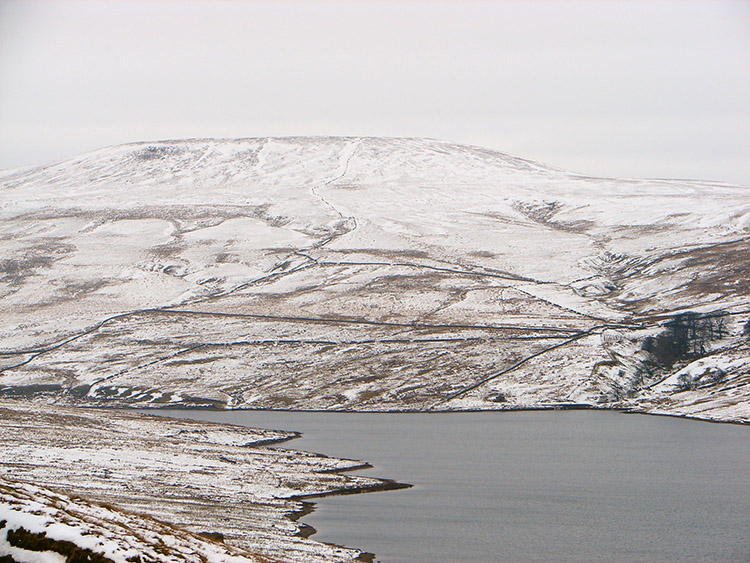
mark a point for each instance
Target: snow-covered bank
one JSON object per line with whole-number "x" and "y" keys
{"x": 199, "y": 477}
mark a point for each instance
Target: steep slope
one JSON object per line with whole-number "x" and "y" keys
{"x": 367, "y": 274}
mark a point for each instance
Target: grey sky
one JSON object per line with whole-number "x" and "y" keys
{"x": 625, "y": 89}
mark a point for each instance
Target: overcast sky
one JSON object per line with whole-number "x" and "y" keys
{"x": 623, "y": 89}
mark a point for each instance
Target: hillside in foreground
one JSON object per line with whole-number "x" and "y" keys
{"x": 369, "y": 274}
{"x": 148, "y": 489}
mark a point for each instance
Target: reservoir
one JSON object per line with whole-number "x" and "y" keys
{"x": 529, "y": 486}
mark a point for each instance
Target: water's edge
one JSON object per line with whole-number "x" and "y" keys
{"x": 596, "y": 434}
{"x": 543, "y": 408}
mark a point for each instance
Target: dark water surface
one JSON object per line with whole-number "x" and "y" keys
{"x": 530, "y": 486}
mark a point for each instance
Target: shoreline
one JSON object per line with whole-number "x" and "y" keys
{"x": 307, "y": 531}
{"x": 197, "y": 467}
{"x": 557, "y": 407}
{"x": 299, "y": 506}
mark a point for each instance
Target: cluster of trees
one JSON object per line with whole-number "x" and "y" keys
{"x": 692, "y": 331}
{"x": 686, "y": 337}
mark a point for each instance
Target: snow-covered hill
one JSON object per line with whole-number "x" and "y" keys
{"x": 366, "y": 274}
